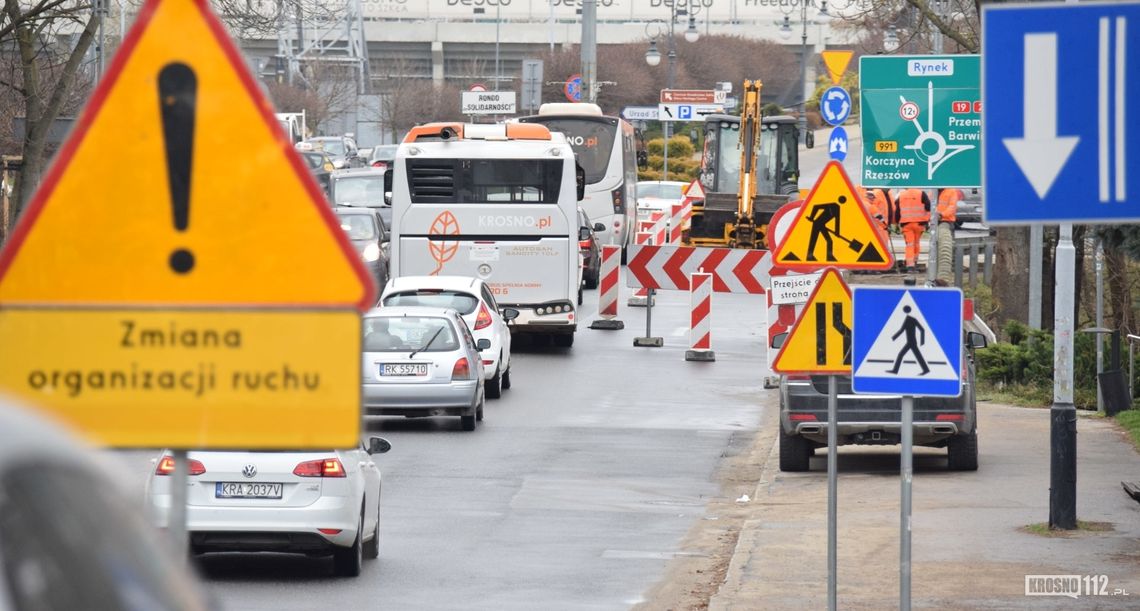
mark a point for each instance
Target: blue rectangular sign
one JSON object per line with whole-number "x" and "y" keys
{"x": 1057, "y": 81}
{"x": 907, "y": 341}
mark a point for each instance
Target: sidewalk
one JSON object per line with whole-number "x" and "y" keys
{"x": 969, "y": 551}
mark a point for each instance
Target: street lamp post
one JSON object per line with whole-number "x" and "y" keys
{"x": 653, "y": 58}
{"x": 786, "y": 32}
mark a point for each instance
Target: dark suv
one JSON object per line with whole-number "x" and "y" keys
{"x": 939, "y": 422}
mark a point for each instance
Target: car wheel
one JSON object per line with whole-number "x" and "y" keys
{"x": 372, "y": 547}
{"x": 347, "y": 560}
{"x": 795, "y": 452}
{"x": 592, "y": 277}
{"x": 564, "y": 340}
{"x": 494, "y": 386}
{"x": 579, "y": 295}
{"x": 507, "y": 378}
{"x": 962, "y": 452}
{"x": 467, "y": 421}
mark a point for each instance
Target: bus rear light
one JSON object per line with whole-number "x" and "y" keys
{"x": 619, "y": 201}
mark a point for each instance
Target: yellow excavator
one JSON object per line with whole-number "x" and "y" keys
{"x": 749, "y": 169}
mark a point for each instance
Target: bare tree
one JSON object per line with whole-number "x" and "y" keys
{"x": 50, "y": 39}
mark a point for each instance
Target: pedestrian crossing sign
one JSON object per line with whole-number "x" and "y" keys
{"x": 833, "y": 229}
{"x": 907, "y": 341}
{"x": 820, "y": 341}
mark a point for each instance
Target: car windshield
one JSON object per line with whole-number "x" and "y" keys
{"x": 358, "y": 226}
{"x": 659, "y": 190}
{"x": 384, "y": 153}
{"x": 464, "y": 303}
{"x": 332, "y": 147}
{"x": 408, "y": 333}
{"x": 359, "y": 190}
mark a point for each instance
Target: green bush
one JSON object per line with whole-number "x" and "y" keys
{"x": 679, "y": 146}
{"x": 1025, "y": 362}
{"x": 772, "y": 109}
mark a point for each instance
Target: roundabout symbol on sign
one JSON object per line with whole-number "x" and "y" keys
{"x": 908, "y": 111}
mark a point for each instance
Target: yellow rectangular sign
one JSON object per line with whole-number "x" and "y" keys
{"x": 194, "y": 379}
{"x": 886, "y": 146}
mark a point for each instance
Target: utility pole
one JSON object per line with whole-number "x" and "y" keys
{"x": 589, "y": 51}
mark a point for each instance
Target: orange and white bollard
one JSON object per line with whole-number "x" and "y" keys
{"x": 678, "y": 221}
{"x": 640, "y": 297}
{"x": 659, "y": 228}
{"x": 608, "y": 290}
{"x": 700, "y": 318}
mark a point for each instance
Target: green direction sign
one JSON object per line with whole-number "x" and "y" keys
{"x": 921, "y": 118}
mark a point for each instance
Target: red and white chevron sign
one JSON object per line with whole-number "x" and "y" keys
{"x": 734, "y": 270}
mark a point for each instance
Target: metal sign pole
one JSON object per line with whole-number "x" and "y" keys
{"x": 1063, "y": 415}
{"x": 907, "y": 472}
{"x": 176, "y": 519}
{"x": 649, "y": 341}
{"x": 832, "y": 489}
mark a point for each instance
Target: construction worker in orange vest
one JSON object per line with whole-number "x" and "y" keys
{"x": 876, "y": 208}
{"x": 891, "y": 213}
{"x": 914, "y": 216}
{"x": 948, "y": 204}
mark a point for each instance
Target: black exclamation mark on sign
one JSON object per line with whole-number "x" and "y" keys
{"x": 178, "y": 97}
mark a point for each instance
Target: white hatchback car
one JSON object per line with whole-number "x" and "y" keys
{"x": 475, "y": 302}
{"x": 311, "y": 502}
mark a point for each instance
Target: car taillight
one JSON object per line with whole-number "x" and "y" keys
{"x": 166, "y": 466}
{"x": 461, "y": 370}
{"x": 802, "y": 417}
{"x": 948, "y": 418}
{"x": 380, "y": 164}
{"x": 584, "y": 244}
{"x": 619, "y": 201}
{"x": 322, "y": 467}
{"x": 483, "y": 319}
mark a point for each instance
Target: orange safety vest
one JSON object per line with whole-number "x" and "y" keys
{"x": 911, "y": 209}
{"x": 948, "y": 204}
{"x": 875, "y": 206}
{"x": 887, "y": 204}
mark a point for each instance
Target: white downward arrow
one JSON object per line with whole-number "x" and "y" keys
{"x": 1040, "y": 152}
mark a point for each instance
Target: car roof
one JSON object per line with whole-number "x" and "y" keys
{"x": 361, "y": 210}
{"x": 398, "y": 311}
{"x": 404, "y": 283}
{"x": 357, "y": 172}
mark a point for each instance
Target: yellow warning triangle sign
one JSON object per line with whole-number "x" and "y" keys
{"x": 833, "y": 228}
{"x": 177, "y": 187}
{"x": 836, "y": 62}
{"x": 820, "y": 341}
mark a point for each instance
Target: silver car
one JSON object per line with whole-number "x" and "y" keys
{"x": 421, "y": 362}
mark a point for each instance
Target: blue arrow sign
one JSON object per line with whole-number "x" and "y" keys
{"x": 835, "y": 105}
{"x": 907, "y": 341}
{"x": 837, "y": 144}
{"x": 1056, "y": 140}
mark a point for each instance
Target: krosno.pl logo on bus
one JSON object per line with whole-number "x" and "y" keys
{"x": 515, "y": 220}
{"x": 443, "y": 251}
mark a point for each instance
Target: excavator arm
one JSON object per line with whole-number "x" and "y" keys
{"x": 745, "y": 234}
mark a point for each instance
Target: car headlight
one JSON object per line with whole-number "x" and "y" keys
{"x": 338, "y": 163}
{"x": 371, "y": 252}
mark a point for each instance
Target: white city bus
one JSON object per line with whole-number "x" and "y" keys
{"x": 497, "y": 202}
{"x": 605, "y": 147}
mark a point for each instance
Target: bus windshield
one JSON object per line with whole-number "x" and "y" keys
{"x": 591, "y": 139}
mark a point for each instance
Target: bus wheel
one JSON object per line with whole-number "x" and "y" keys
{"x": 564, "y": 340}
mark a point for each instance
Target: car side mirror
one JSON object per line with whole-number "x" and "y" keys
{"x": 779, "y": 339}
{"x": 599, "y": 227}
{"x": 976, "y": 340}
{"x": 388, "y": 198}
{"x": 483, "y": 344}
{"x": 509, "y": 313}
{"x": 809, "y": 139}
{"x": 583, "y": 233}
{"x": 378, "y": 445}
{"x": 388, "y": 180}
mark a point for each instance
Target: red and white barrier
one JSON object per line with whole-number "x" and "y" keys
{"x": 659, "y": 227}
{"x": 608, "y": 290}
{"x": 734, "y": 270}
{"x": 644, "y": 236}
{"x": 682, "y": 215}
{"x": 700, "y": 318}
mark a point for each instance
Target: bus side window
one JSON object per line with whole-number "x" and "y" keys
{"x": 580, "y": 178}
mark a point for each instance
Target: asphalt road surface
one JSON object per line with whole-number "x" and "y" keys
{"x": 573, "y": 494}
